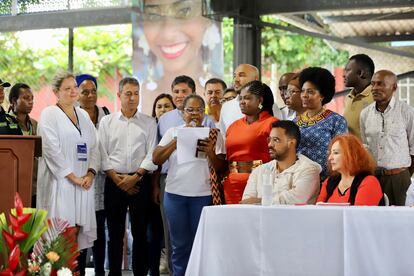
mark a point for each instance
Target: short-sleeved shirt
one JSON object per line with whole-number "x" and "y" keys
{"x": 316, "y": 134}
{"x": 354, "y": 103}
{"x": 190, "y": 178}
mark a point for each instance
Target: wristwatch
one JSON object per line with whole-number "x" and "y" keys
{"x": 139, "y": 175}
{"x": 92, "y": 171}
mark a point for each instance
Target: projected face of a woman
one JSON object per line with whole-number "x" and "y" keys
{"x": 174, "y": 31}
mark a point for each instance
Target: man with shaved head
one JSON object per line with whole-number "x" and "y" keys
{"x": 230, "y": 111}
{"x": 387, "y": 129}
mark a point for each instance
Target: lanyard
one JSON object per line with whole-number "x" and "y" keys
{"x": 77, "y": 119}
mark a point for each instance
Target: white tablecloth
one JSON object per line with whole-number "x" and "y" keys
{"x": 303, "y": 240}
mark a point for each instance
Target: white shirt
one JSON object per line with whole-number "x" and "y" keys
{"x": 191, "y": 178}
{"x": 230, "y": 112}
{"x": 298, "y": 184}
{"x": 127, "y": 144}
{"x": 60, "y": 145}
{"x": 389, "y": 136}
{"x": 288, "y": 114}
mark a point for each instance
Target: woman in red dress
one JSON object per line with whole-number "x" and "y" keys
{"x": 351, "y": 180}
{"x": 246, "y": 138}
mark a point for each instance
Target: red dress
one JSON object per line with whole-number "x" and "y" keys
{"x": 246, "y": 142}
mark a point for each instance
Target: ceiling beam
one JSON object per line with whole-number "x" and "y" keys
{"x": 348, "y": 41}
{"x": 383, "y": 38}
{"x": 367, "y": 17}
{"x": 65, "y": 19}
{"x": 307, "y": 6}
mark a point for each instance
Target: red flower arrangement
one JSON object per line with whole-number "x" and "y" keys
{"x": 53, "y": 243}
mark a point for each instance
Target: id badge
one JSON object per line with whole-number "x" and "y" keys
{"x": 82, "y": 152}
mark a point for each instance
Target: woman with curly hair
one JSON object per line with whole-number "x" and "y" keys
{"x": 352, "y": 180}
{"x": 246, "y": 138}
{"x": 318, "y": 125}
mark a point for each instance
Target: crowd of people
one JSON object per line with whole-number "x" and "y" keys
{"x": 96, "y": 167}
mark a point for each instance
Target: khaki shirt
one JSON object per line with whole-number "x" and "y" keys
{"x": 354, "y": 103}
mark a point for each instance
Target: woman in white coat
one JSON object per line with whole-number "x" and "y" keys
{"x": 69, "y": 162}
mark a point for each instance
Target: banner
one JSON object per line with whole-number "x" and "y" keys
{"x": 172, "y": 38}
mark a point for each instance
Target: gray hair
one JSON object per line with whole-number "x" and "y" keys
{"x": 127, "y": 80}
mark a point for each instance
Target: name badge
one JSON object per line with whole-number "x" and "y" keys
{"x": 82, "y": 152}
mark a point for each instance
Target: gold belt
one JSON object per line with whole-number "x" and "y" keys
{"x": 244, "y": 166}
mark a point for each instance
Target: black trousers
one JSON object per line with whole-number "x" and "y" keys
{"x": 155, "y": 238}
{"x": 99, "y": 245}
{"x": 116, "y": 204}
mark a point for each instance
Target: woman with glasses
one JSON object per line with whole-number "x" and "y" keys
{"x": 246, "y": 138}
{"x": 293, "y": 100}
{"x": 318, "y": 125}
{"x": 187, "y": 188}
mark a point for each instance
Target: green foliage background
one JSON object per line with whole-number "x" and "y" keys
{"x": 107, "y": 51}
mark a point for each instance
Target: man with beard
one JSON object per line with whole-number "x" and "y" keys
{"x": 296, "y": 177}
{"x": 214, "y": 90}
{"x": 230, "y": 111}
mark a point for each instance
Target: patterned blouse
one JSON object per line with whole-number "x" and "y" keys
{"x": 316, "y": 134}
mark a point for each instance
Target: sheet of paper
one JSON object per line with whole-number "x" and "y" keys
{"x": 187, "y": 142}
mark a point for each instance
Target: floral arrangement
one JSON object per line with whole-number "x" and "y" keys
{"x": 33, "y": 245}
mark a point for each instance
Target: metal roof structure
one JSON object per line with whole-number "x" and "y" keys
{"x": 371, "y": 24}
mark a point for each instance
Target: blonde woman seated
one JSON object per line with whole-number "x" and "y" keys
{"x": 351, "y": 177}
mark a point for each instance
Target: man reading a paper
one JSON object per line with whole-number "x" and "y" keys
{"x": 295, "y": 178}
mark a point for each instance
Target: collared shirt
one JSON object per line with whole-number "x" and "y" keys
{"x": 127, "y": 144}
{"x": 174, "y": 118}
{"x": 288, "y": 114}
{"x": 230, "y": 112}
{"x": 354, "y": 103}
{"x": 389, "y": 136}
{"x": 298, "y": 184}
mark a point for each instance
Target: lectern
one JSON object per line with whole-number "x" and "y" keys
{"x": 17, "y": 154}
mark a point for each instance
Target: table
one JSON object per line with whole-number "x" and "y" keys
{"x": 303, "y": 240}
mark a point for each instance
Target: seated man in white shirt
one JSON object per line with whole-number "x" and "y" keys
{"x": 296, "y": 177}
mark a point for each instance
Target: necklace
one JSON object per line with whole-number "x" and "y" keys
{"x": 305, "y": 120}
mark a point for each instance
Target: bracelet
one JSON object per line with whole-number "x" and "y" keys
{"x": 92, "y": 171}
{"x": 139, "y": 175}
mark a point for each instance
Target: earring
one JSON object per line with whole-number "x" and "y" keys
{"x": 260, "y": 106}
{"x": 143, "y": 43}
{"x": 211, "y": 37}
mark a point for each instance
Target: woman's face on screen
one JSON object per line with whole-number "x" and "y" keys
{"x": 174, "y": 31}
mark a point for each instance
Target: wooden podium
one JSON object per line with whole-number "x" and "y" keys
{"x": 17, "y": 154}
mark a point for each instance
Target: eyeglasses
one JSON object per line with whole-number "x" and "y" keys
{"x": 178, "y": 10}
{"x": 290, "y": 92}
{"x": 194, "y": 110}
{"x": 283, "y": 88}
{"x": 227, "y": 99}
